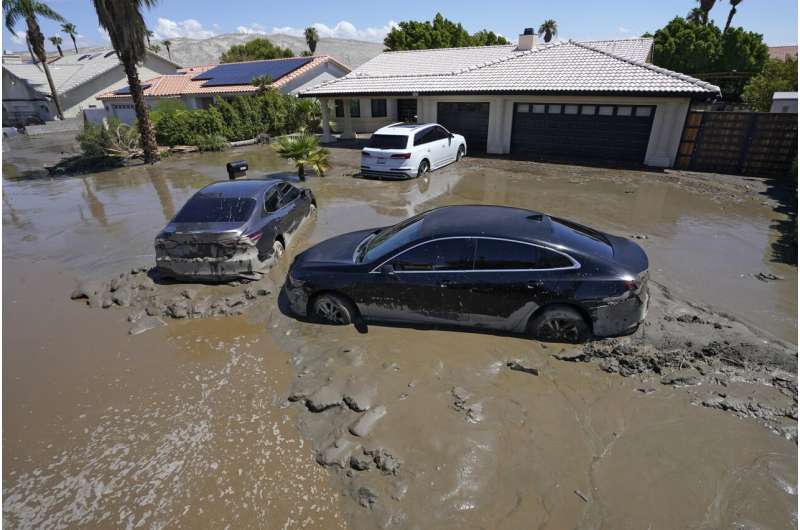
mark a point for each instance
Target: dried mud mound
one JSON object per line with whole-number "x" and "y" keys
{"x": 733, "y": 368}
{"x": 151, "y": 299}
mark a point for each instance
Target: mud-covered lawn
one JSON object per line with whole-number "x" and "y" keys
{"x": 220, "y": 408}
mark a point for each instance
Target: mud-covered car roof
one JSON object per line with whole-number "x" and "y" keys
{"x": 239, "y": 188}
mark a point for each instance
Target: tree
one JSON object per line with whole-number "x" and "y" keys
{"x": 70, "y": 29}
{"x": 301, "y": 149}
{"x": 56, "y": 40}
{"x": 312, "y": 38}
{"x": 255, "y": 50}
{"x": 155, "y": 48}
{"x": 125, "y": 25}
{"x": 696, "y": 15}
{"x": 167, "y": 44}
{"x": 549, "y": 29}
{"x": 705, "y": 7}
{"x": 731, "y": 13}
{"x": 777, "y": 76}
{"x": 16, "y": 11}
{"x": 687, "y": 47}
{"x": 263, "y": 82}
{"x": 439, "y": 33}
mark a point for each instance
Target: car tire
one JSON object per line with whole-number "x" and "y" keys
{"x": 423, "y": 168}
{"x": 559, "y": 324}
{"x": 330, "y": 308}
{"x": 460, "y": 153}
{"x": 277, "y": 249}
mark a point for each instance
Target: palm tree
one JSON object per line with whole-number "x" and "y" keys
{"x": 125, "y": 25}
{"x": 705, "y": 7}
{"x": 263, "y": 82}
{"x": 301, "y": 149}
{"x": 695, "y": 15}
{"x": 155, "y": 48}
{"x": 549, "y": 29}
{"x": 70, "y": 29}
{"x": 147, "y": 35}
{"x": 732, "y": 12}
{"x": 56, "y": 40}
{"x": 317, "y": 160}
{"x": 15, "y": 11}
{"x": 167, "y": 44}
{"x": 312, "y": 37}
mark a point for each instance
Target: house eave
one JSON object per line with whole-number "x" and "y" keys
{"x": 604, "y": 93}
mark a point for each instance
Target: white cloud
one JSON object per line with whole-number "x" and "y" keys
{"x": 252, "y": 29}
{"x": 623, "y": 29}
{"x": 342, "y": 30}
{"x": 189, "y": 28}
{"x": 103, "y": 34}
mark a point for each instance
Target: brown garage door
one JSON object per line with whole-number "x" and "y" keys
{"x": 566, "y": 132}
{"x": 471, "y": 120}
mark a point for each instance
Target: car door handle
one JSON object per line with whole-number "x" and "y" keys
{"x": 444, "y": 283}
{"x": 535, "y": 284}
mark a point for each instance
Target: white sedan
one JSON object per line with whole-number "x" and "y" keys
{"x": 405, "y": 150}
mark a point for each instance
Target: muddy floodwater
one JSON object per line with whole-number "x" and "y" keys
{"x": 208, "y": 422}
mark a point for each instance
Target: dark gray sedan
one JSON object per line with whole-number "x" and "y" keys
{"x": 231, "y": 229}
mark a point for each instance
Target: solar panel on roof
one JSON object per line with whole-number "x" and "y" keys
{"x": 243, "y": 73}
{"x": 127, "y": 89}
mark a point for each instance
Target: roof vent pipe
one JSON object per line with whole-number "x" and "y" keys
{"x": 527, "y": 41}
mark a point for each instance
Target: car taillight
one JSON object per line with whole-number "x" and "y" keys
{"x": 253, "y": 238}
{"x": 402, "y": 155}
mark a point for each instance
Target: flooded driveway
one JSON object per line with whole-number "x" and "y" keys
{"x": 189, "y": 424}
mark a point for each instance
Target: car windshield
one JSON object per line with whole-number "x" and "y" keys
{"x": 205, "y": 209}
{"x": 388, "y": 141}
{"x": 389, "y": 239}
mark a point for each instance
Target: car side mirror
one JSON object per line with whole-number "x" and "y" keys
{"x": 387, "y": 268}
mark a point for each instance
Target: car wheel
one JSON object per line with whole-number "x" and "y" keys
{"x": 460, "y": 153}
{"x": 559, "y": 324}
{"x": 424, "y": 167}
{"x": 277, "y": 249}
{"x": 312, "y": 208}
{"x": 333, "y": 309}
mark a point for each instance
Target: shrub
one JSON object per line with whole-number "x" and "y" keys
{"x": 164, "y": 108}
{"x": 113, "y": 138}
{"x": 211, "y": 142}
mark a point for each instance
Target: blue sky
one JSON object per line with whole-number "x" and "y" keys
{"x": 586, "y": 19}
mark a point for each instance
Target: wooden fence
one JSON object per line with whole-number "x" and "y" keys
{"x": 747, "y": 143}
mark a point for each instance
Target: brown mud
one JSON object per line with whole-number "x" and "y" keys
{"x": 242, "y": 420}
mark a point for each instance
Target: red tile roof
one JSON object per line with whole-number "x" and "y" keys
{"x": 179, "y": 84}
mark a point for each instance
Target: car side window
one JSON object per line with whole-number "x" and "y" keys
{"x": 423, "y": 137}
{"x": 441, "y": 255}
{"x": 271, "y": 200}
{"x": 290, "y": 193}
{"x": 441, "y": 133}
{"x": 495, "y": 254}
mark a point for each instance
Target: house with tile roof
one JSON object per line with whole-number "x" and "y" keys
{"x": 197, "y": 86}
{"x": 78, "y": 77}
{"x": 566, "y": 100}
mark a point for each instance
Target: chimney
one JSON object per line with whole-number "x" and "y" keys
{"x": 527, "y": 41}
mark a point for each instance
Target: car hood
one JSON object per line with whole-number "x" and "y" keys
{"x": 337, "y": 249}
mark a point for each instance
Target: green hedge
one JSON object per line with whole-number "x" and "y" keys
{"x": 238, "y": 118}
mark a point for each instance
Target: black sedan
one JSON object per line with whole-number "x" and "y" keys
{"x": 230, "y": 229}
{"x": 488, "y": 267}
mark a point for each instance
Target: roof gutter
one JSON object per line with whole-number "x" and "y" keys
{"x": 609, "y": 93}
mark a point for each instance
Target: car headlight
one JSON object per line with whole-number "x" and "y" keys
{"x": 293, "y": 281}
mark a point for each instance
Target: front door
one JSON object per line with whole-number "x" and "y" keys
{"x": 407, "y": 110}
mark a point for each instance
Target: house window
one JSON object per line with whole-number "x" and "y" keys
{"x": 538, "y": 109}
{"x": 588, "y": 109}
{"x": 570, "y": 109}
{"x": 523, "y": 107}
{"x": 355, "y": 108}
{"x": 644, "y": 112}
{"x": 378, "y": 108}
{"x": 339, "y": 108}
{"x": 554, "y": 109}
{"x": 605, "y": 110}
{"x": 624, "y": 111}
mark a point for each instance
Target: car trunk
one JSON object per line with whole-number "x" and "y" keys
{"x": 203, "y": 240}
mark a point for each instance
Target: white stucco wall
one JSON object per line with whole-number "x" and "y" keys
{"x": 661, "y": 150}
